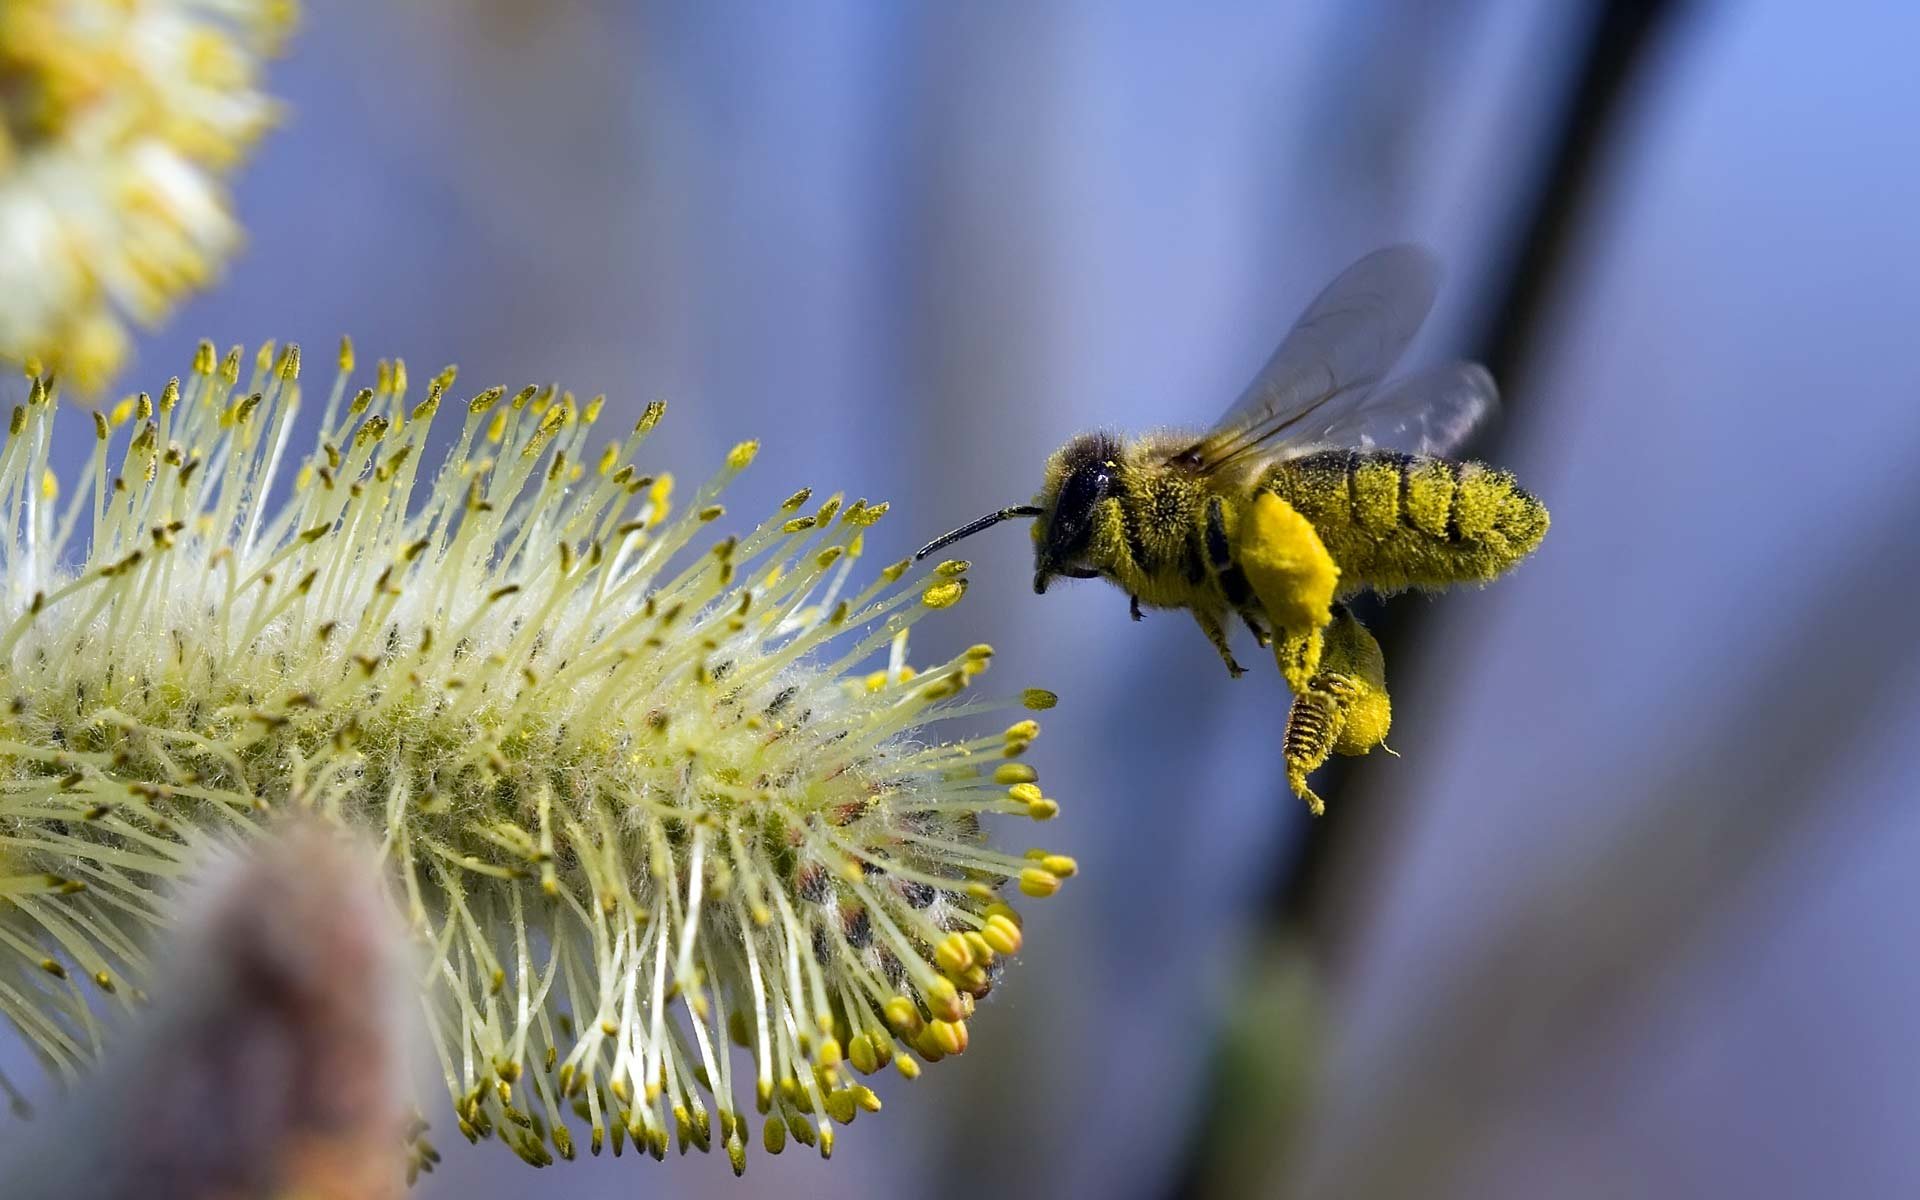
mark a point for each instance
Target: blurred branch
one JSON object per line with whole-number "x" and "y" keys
{"x": 1575, "y": 964}
{"x": 1624, "y": 35}
{"x": 271, "y": 1066}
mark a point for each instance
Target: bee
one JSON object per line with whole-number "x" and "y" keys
{"x": 1322, "y": 482}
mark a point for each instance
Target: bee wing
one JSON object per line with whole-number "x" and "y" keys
{"x": 1337, "y": 352}
{"x": 1429, "y": 412}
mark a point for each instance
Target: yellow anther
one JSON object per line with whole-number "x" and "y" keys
{"x": 1039, "y": 882}
{"x": 943, "y": 999}
{"x": 1012, "y": 773}
{"x": 953, "y": 955}
{"x": 840, "y": 1106}
{"x": 659, "y": 500}
{"x": 944, "y": 594}
{"x": 1002, "y": 934}
{"x": 950, "y": 1035}
{"x": 928, "y": 1045}
{"x": 863, "y": 515}
{"x": 862, "y": 1053}
{"x": 902, "y": 1016}
{"x": 983, "y": 952}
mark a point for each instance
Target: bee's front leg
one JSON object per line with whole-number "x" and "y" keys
{"x": 1133, "y": 606}
{"x": 1216, "y": 632}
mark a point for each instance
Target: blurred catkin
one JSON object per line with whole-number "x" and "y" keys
{"x": 120, "y": 121}
{"x": 636, "y": 792}
{"x": 274, "y": 1065}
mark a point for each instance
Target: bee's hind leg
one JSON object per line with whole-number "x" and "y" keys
{"x": 1216, "y": 632}
{"x": 1133, "y": 606}
{"x": 1260, "y": 633}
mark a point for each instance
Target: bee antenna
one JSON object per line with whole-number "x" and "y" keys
{"x": 973, "y": 527}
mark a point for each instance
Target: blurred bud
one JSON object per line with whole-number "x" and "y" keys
{"x": 273, "y": 1066}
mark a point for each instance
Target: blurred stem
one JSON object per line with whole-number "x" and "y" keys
{"x": 1262, "y": 1072}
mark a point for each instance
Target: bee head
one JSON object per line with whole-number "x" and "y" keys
{"x": 1081, "y": 476}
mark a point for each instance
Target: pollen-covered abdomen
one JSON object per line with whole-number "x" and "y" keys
{"x": 1393, "y": 521}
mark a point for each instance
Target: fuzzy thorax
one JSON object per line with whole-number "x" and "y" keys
{"x": 635, "y": 798}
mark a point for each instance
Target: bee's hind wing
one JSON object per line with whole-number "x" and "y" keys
{"x": 1428, "y": 412}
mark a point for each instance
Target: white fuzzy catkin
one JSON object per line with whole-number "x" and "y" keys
{"x": 632, "y": 801}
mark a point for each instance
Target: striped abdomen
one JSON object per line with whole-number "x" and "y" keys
{"x": 1394, "y": 521}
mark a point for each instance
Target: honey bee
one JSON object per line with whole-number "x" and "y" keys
{"x": 1322, "y": 482}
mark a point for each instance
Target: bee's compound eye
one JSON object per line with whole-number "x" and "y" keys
{"x": 1072, "y": 520}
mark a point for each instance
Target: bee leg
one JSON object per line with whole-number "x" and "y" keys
{"x": 1342, "y": 709}
{"x": 1216, "y": 633}
{"x": 1260, "y": 634}
{"x": 1313, "y": 726}
{"x": 1133, "y": 604}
